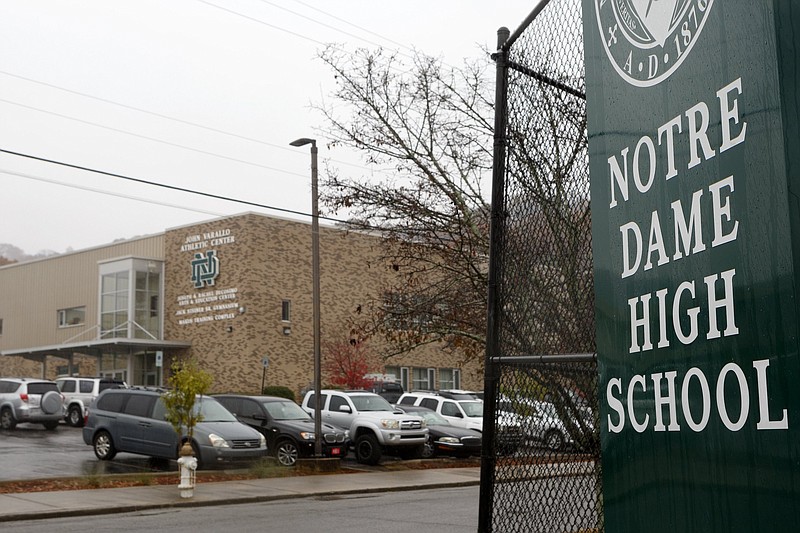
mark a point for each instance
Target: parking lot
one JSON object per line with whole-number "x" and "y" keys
{"x": 31, "y": 452}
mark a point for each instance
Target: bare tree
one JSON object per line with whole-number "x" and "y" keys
{"x": 430, "y": 129}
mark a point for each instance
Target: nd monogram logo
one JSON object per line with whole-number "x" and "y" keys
{"x": 205, "y": 269}
{"x": 647, "y": 40}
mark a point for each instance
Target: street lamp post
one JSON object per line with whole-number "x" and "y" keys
{"x": 315, "y": 294}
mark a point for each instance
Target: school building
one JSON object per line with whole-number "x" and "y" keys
{"x": 234, "y": 292}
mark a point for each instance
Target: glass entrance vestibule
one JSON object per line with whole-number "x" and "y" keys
{"x": 139, "y": 368}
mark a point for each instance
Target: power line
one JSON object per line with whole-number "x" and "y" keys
{"x": 155, "y": 114}
{"x": 108, "y": 193}
{"x": 168, "y": 143}
{"x": 290, "y": 32}
{"x": 259, "y": 21}
{"x": 401, "y": 45}
{"x": 141, "y": 110}
{"x": 334, "y": 28}
{"x": 183, "y": 189}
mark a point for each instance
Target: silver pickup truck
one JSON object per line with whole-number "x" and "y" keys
{"x": 375, "y": 426}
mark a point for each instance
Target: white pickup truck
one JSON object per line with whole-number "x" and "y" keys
{"x": 375, "y": 426}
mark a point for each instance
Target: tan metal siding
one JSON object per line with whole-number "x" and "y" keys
{"x": 32, "y": 293}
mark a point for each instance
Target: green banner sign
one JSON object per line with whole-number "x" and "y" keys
{"x": 694, "y": 153}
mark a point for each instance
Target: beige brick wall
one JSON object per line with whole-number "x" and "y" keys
{"x": 264, "y": 261}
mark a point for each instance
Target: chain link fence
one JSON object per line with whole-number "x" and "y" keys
{"x": 541, "y": 372}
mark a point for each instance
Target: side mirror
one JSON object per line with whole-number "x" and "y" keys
{"x": 345, "y": 409}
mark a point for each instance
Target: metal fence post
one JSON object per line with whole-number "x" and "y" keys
{"x": 492, "y": 339}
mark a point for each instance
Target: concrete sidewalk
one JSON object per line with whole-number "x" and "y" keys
{"x": 37, "y": 505}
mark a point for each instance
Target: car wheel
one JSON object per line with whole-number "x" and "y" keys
{"x": 7, "y": 419}
{"x": 368, "y": 451}
{"x": 50, "y": 426}
{"x": 75, "y": 416}
{"x": 51, "y": 402}
{"x": 104, "y": 446}
{"x": 554, "y": 440}
{"x": 428, "y": 449}
{"x": 286, "y": 452}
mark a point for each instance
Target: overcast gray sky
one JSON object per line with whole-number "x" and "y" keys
{"x": 201, "y": 94}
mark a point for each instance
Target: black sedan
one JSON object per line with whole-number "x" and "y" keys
{"x": 289, "y": 430}
{"x": 443, "y": 437}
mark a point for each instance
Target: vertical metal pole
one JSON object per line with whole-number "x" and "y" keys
{"x": 315, "y": 297}
{"x": 485, "y": 509}
{"x": 315, "y": 292}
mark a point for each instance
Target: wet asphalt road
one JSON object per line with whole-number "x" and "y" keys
{"x": 31, "y": 452}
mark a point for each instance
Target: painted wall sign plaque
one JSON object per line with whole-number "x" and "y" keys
{"x": 691, "y": 142}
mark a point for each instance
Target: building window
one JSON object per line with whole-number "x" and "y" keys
{"x": 449, "y": 378}
{"x": 114, "y": 289}
{"x": 131, "y": 299}
{"x": 147, "y": 310}
{"x": 424, "y": 379}
{"x": 74, "y": 316}
{"x": 407, "y": 312}
{"x": 1, "y": 326}
{"x": 286, "y": 308}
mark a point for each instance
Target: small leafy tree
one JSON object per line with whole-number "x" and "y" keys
{"x": 188, "y": 381}
{"x": 280, "y": 391}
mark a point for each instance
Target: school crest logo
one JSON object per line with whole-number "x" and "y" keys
{"x": 205, "y": 269}
{"x": 647, "y": 40}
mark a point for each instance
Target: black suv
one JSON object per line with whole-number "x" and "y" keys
{"x": 289, "y": 430}
{"x": 391, "y": 391}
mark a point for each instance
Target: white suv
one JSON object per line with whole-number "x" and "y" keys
{"x": 462, "y": 409}
{"x": 29, "y": 400}
{"x": 80, "y": 392}
{"x": 465, "y": 413}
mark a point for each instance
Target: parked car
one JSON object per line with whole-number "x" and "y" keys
{"x": 375, "y": 426}
{"x": 443, "y": 437}
{"x": 134, "y": 421}
{"x": 80, "y": 392}
{"x": 289, "y": 430}
{"x": 464, "y": 412}
{"x": 540, "y": 421}
{"x": 389, "y": 390}
{"x": 468, "y": 413}
{"x": 458, "y": 394}
{"x": 30, "y": 400}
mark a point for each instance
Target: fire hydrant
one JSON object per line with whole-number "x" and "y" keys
{"x": 188, "y": 465}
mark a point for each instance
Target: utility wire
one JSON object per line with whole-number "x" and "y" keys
{"x": 117, "y": 130}
{"x": 183, "y": 189}
{"x": 109, "y": 193}
{"x": 334, "y": 28}
{"x": 401, "y": 45}
{"x": 259, "y": 21}
{"x": 159, "y": 115}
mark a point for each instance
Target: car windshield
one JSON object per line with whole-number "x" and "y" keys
{"x": 472, "y": 409}
{"x": 371, "y": 403}
{"x": 212, "y": 411}
{"x": 285, "y": 411}
{"x": 432, "y": 418}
